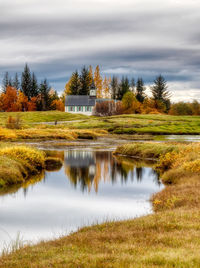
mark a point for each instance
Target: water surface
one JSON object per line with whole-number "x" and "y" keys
{"x": 92, "y": 186}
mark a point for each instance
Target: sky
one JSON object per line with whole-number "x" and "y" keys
{"x": 137, "y": 38}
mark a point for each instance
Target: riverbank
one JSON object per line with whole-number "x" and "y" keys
{"x": 19, "y": 163}
{"x": 168, "y": 238}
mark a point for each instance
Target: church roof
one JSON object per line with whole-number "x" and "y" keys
{"x": 79, "y": 100}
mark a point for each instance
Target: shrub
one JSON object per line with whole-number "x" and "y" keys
{"x": 13, "y": 122}
{"x": 105, "y": 108}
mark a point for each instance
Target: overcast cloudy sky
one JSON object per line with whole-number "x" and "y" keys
{"x": 125, "y": 37}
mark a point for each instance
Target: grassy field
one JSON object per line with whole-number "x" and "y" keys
{"x": 38, "y": 117}
{"x": 168, "y": 238}
{"x": 122, "y": 124}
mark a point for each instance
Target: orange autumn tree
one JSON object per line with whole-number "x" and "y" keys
{"x": 22, "y": 102}
{"x": 58, "y": 105}
{"x": 9, "y": 99}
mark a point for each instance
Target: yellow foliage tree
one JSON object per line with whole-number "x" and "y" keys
{"x": 98, "y": 82}
{"x": 106, "y": 91}
{"x": 67, "y": 88}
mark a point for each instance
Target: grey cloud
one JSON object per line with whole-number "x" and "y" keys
{"x": 137, "y": 38}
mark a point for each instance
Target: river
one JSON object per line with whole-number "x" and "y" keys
{"x": 92, "y": 187}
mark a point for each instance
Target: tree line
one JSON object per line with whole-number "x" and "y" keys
{"x": 122, "y": 90}
{"x": 24, "y": 93}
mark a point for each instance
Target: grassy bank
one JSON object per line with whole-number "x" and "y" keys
{"x": 179, "y": 166}
{"x": 21, "y": 164}
{"x": 168, "y": 238}
{"x": 18, "y": 163}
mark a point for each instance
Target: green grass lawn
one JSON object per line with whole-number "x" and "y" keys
{"x": 121, "y": 124}
{"x": 37, "y": 117}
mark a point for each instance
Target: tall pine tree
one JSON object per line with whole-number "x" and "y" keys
{"x": 160, "y": 91}
{"x": 5, "y": 82}
{"x": 123, "y": 88}
{"x": 140, "y": 89}
{"x": 75, "y": 84}
{"x": 34, "y": 86}
{"x": 85, "y": 82}
{"x": 45, "y": 96}
{"x": 26, "y": 82}
{"x": 114, "y": 87}
{"x": 16, "y": 83}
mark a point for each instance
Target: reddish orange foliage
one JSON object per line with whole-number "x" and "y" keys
{"x": 58, "y": 105}
{"x": 9, "y": 99}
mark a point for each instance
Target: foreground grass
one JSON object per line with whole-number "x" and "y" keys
{"x": 168, "y": 238}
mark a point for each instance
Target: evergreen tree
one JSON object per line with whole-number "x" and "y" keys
{"x": 160, "y": 91}
{"x": 10, "y": 82}
{"x": 85, "y": 82}
{"x": 75, "y": 84}
{"x": 45, "y": 96}
{"x": 124, "y": 87}
{"x": 5, "y": 82}
{"x": 114, "y": 87}
{"x": 26, "y": 82}
{"x": 140, "y": 89}
{"x": 16, "y": 83}
{"x": 133, "y": 84}
{"x": 34, "y": 86}
{"x": 91, "y": 74}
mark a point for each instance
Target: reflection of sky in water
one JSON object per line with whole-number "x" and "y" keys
{"x": 60, "y": 204}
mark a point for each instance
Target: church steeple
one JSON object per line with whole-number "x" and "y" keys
{"x": 92, "y": 90}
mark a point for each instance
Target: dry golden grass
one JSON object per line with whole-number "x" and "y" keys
{"x": 168, "y": 239}
{"x": 17, "y": 163}
{"x": 49, "y": 133}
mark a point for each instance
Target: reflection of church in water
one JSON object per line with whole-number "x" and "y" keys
{"x": 87, "y": 168}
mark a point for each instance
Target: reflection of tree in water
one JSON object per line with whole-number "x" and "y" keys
{"x": 156, "y": 177}
{"x": 80, "y": 176}
{"x": 139, "y": 173}
{"x": 88, "y": 168}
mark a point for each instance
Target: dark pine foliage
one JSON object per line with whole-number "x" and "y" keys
{"x": 160, "y": 91}
{"x": 85, "y": 82}
{"x": 34, "y": 86}
{"x": 123, "y": 88}
{"x": 26, "y": 82}
{"x": 140, "y": 89}
{"x": 75, "y": 85}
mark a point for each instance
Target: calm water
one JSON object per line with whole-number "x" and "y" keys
{"x": 92, "y": 186}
